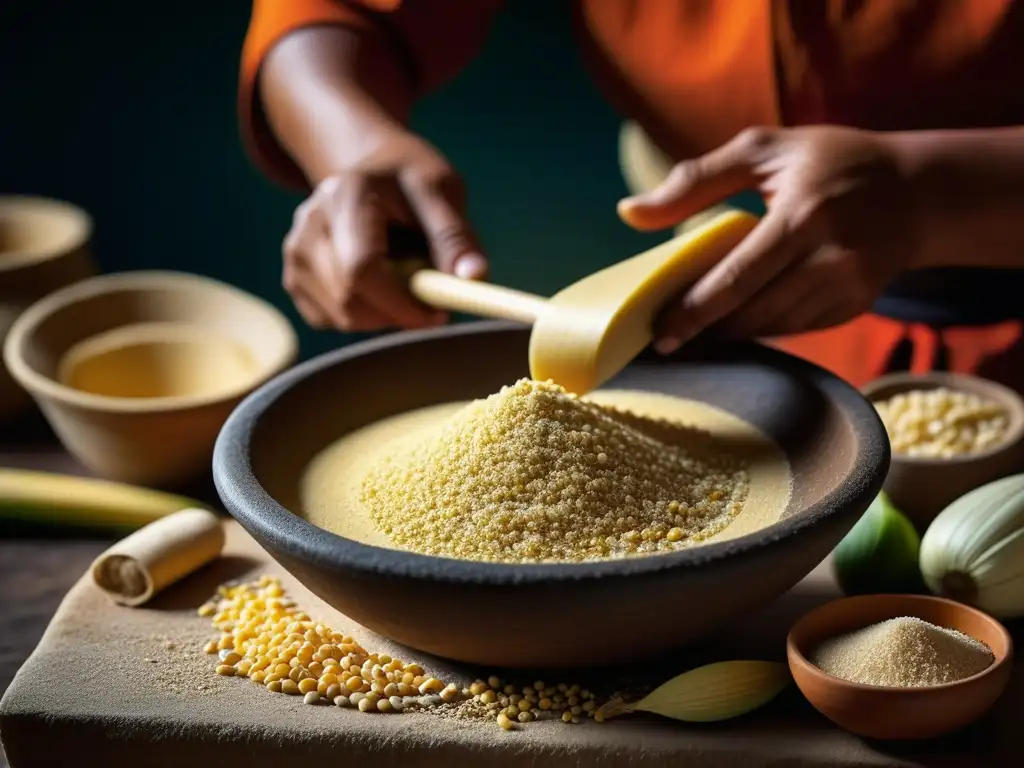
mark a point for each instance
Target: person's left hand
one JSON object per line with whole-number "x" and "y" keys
{"x": 840, "y": 225}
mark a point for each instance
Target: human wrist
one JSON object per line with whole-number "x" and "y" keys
{"x": 965, "y": 194}
{"x": 333, "y": 95}
{"x": 918, "y": 164}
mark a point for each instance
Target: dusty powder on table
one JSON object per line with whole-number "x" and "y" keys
{"x": 535, "y": 473}
{"x": 905, "y": 652}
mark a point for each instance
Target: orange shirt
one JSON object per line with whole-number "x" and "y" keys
{"x": 695, "y": 72}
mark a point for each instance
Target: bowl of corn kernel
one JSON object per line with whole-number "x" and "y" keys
{"x": 949, "y": 434}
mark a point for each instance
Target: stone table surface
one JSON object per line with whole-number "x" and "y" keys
{"x": 38, "y": 565}
{"x": 105, "y": 688}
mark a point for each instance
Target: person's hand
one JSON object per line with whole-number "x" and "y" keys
{"x": 840, "y": 225}
{"x": 336, "y": 265}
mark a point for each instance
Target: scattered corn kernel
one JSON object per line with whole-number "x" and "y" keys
{"x": 450, "y": 693}
{"x": 431, "y": 685}
{"x": 265, "y": 637}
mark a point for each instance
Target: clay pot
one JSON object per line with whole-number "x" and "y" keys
{"x": 922, "y": 487}
{"x": 158, "y": 361}
{"x": 881, "y": 712}
{"x": 44, "y": 245}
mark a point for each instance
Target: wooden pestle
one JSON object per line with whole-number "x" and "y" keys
{"x": 591, "y": 330}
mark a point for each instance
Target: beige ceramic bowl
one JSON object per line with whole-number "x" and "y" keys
{"x": 157, "y": 359}
{"x": 44, "y": 245}
{"x": 922, "y": 487}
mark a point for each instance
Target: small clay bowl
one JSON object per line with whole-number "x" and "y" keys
{"x": 922, "y": 487}
{"x": 44, "y": 245}
{"x": 158, "y": 361}
{"x": 880, "y": 712}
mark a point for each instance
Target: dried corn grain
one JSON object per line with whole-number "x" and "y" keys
{"x": 942, "y": 423}
{"x": 275, "y": 644}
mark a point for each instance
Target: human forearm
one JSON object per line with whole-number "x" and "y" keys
{"x": 969, "y": 194}
{"x": 329, "y": 92}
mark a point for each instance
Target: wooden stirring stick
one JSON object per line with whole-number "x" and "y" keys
{"x": 443, "y": 291}
{"x": 591, "y": 330}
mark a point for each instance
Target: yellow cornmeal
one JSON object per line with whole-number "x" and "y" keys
{"x": 477, "y": 492}
{"x": 534, "y": 473}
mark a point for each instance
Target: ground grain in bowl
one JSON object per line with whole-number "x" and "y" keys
{"x": 942, "y": 423}
{"x": 904, "y": 652}
{"x": 535, "y": 473}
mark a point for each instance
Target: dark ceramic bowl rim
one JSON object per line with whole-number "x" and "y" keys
{"x": 905, "y": 382}
{"x": 1000, "y": 662}
{"x": 257, "y": 511}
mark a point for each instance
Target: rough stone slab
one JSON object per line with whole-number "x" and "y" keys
{"x": 105, "y": 688}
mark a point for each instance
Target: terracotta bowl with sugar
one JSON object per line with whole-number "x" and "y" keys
{"x": 44, "y": 245}
{"x": 922, "y": 487}
{"x": 881, "y": 712}
{"x": 546, "y": 614}
{"x": 137, "y": 371}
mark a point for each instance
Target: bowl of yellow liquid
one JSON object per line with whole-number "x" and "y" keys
{"x": 137, "y": 371}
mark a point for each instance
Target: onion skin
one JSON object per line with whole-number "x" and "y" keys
{"x": 973, "y": 551}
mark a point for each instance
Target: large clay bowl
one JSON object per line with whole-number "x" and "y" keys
{"x": 546, "y": 614}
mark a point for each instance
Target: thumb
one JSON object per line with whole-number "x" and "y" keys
{"x": 697, "y": 184}
{"x": 438, "y": 200}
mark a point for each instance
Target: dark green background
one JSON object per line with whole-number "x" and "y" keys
{"x": 128, "y": 109}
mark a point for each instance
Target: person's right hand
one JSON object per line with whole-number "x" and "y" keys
{"x": 336, "y": 255}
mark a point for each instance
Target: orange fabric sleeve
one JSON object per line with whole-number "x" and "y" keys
{"x": 438, "y": 38}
